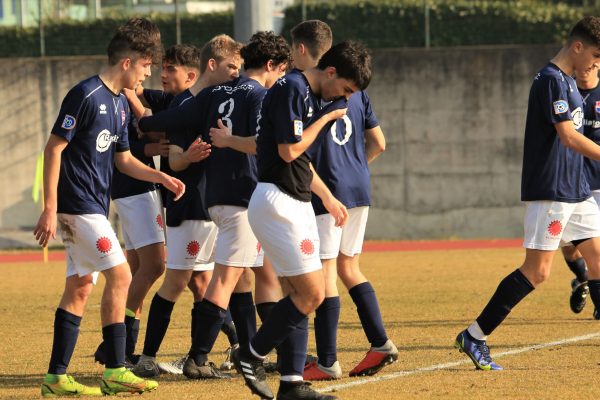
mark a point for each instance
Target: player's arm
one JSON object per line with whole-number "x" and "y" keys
{"x": 135, "y": 104}
{"x": 574, "y": 140}
{"x": 331, "y": 204}
{"x": 129, "y": 165}
{"x": 222, "y": 137}
{"x": 374, "y": 143}
{"x": 290, "y": 151}
{"x": 180, "y": 159}
{"x": 46, "y": 225}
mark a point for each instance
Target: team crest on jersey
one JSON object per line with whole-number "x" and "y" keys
{"x": 577, "y": 116}
{"x": 123, "y": 117}
{"x": 102, "y": 108}
{"x": 597, "y": 107}
{"x": 298, "y": 128}
{"x": 69, "y": 122}
{"x": 104, "y": 140}
{"x": 560, "y": 106}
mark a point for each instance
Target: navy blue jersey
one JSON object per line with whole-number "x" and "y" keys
{"x": 124, "y": 185}
{"x": 552, "y": 171}
{"x": 591, "y": 129}
{"x": 91, "y": 119}
{"x": 231, "y": 175}
{"x": 339, "y": 154}
{"x": 287, "y": 110}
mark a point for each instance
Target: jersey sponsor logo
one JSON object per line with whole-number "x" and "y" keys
{"x": 193, "y": 248}
{"x": 560, "y": 106}
{"x": 104, "y": 140}
{"x": 123, "y": 117}
{"x": 69, "y": 122}
{"x": 298, "y": 128}
{"x": 597, "y": 107}
{"x": 347, "y": 131}
{"x": 102, "y": 108}
{"x": 555, "y": 228}
{"x": 103, "y": 245}
{"x": 577, "y": 116}
{"x": 307, "y": 247}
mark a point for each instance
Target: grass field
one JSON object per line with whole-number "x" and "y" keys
{"x": 426, "y": 299}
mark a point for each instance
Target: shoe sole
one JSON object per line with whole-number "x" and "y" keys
{"x": 389, "y": 359}
{"x": 248, "y": 381}
{"x": 108, "y": 391}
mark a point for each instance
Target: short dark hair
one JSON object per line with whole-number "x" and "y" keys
{"x": 587, "y": 30}
{"x": 218, "y": 48}
{"x": 183, "y": 54}
{"x": 150, "y": 28}
{"x": 314, "y": 34}
{"x": 132, "y": 43}
{"x": 351, "y": 60}
{"x": 264, "y": 46}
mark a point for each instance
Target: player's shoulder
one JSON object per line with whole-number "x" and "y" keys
{"x": 87, "y": 88}
{"x": 550, "y": 72}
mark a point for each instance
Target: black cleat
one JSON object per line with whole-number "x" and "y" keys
{"x": 253, "y": 371}
{"x": 300, "y": 390}
{"x": 579, "y": 294}
{"x": 207, "y": 370}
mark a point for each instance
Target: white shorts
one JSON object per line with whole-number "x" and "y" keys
{"x": 91, "y": 244}
{"x": 142, "y": 219}
{"x": 286, "y": 229}
{"x": 552, "y": 224}
{"x": 347, "y": 239}
{"x": 236, "y": 244}
{"x": 191, "y": 245}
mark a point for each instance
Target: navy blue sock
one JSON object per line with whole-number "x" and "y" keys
{"x": 210, "y": 317}
{"x": 264, "y": 309}
{"x": 114, "y": 337}
{"x": 133, "y": 330}
{"x": 244, "y": 316}
{"x": 327, "y": 317}
{"x": 230, "y": 328}
{"x": 195, "y": 318}
{"x": 282, "y": 321}
{"x": 159, "y": 318}
{"x": 509, "y": 293}
{"x": 369, "y": 314}
{"x": 579, "y": 269}
{"x": 292, "y": 352}
{"x": 594, "y": 285}
{"x": 66, "y": 330}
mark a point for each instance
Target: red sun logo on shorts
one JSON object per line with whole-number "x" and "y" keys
{"x": 193, "y": 248}
{"x": 159, "y": 221}
{"x": 555, "y": 228}
{"x": 307, "y": 247}
{"x": 258, "y": 247}
{"x": 103, "y": 245}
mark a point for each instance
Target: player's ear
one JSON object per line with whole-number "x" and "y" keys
{"x": 302, "y": 48}
{"x": 212, "y": 64}
{"x": 269, "y": 65}
{"x": 192, "y": 75}
{"x": 331, "y": 72}
{"x": 126, "y": 63}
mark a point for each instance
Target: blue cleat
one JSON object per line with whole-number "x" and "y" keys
{"x": 477, "y": 350}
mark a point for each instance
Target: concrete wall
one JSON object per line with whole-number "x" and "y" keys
{"x": 454, "y": 121}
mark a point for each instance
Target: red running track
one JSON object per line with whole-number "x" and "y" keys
{"x": 407, "y": 245}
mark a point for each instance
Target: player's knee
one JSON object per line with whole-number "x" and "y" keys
{"x": 312, "y": 298}
{"x": 156, "y": 270}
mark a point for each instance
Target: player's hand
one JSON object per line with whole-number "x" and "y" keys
{"x": 337, "y": 210}
{"x": 335, "y": 114}
{"x": 197, "y": 151}
{"x": 45, "y": 228}
{"x": 129, "y": 94}
{"x": 220, "y": 136}
{"x": 157, "y": 149}
{"x": 174, "y": 185}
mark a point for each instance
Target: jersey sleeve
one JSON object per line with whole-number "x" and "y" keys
{"x": 371, "y": 120}
{"x": 554, "y": 100}
{"x": 158, "y": 100}
{"x": 73, "y": 115}
{"x": 175, "y": 119}
{"x": 286, "y": 112}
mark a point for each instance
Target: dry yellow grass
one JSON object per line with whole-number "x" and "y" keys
{"x": 426, "y": 298}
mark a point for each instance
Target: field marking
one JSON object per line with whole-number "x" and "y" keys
{"x": 437, "y": 367}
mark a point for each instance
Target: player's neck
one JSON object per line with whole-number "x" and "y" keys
{"x": 313, "y": 76}
{"x": 112, "y": 80}
{"x": 563, "y": 61}
{"x": 259, "y": 75}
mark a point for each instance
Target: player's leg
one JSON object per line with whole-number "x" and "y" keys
{"x": 579, "y": 286}
{"x": 590, "y": 249}
{"x": 242, "y": 309}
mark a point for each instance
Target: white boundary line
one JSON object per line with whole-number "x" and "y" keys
{"x": 437, "y": 367}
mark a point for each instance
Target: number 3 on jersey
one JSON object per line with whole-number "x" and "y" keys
{"x": 227, "y": 106}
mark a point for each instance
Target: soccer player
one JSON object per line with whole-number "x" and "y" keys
{"x": 282, "y": 217}
{"x": 341, "y": 160}
{"x": 87, "y": 140}
{"x": 140, "y": 213}
{"x": 587, "y": 83}
{"x": 192, "y": 233}
{"x": 560, "y": 206}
